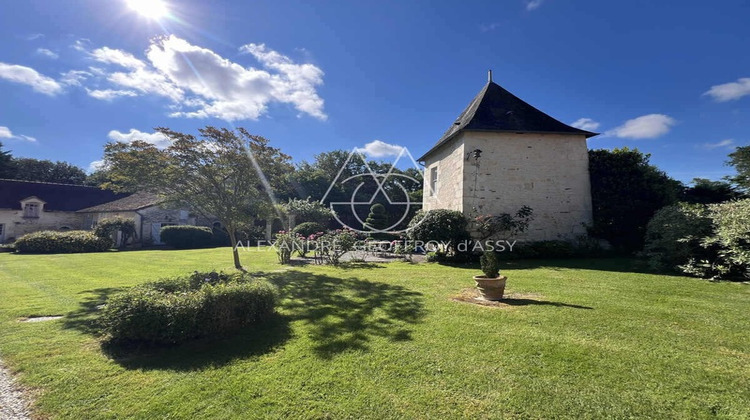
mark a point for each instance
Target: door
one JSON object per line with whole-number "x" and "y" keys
{"x": 2, "y": 233}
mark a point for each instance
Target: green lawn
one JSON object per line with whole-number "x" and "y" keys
{"x": 597, "y": 339}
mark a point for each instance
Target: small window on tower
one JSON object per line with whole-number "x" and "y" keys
{"x": 433, "y": 180}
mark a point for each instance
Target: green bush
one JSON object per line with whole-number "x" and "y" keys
{"x": 179, "y": 309}
{"x": 308, "y": 229}
{"x": 728, "y": 246}
{"x": 107, "y": 228}
{"x": 490, "y": 265}
{"x": 187, "y": 236}
{"x": 674, "y": 236}
{"x": 439, "y": 225}
{"x": 53, "y": 242}
{"x": 332, "y": 245}
{"x": 308, "y": 211}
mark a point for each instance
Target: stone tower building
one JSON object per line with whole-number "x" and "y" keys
{"x": 501, "y": 154}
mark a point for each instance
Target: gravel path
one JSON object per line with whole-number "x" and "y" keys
{"x": 13, "y": 406}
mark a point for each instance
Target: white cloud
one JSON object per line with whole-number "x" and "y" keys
{"x": 109, "y": 94}
{"x": 644, "y": 127}
{"x": 730, "y": 91}
{"x": 202, "y": 84}
{"x": 157, "y": 139}
{"x": 198, "y": 82}
{"x": 533, "y": 4}
{"x": 80, "y": 44}
{"x": 586, "y": 124}
{"x": 33, "y": 37}
{"x": 30, "y": 77}
{"x": 119, "y": 57}
{"x": 95, "y": 166}
{"x": 379, "y": 149}
{"x": 5, "y": 133}
{"x": 47, "y": 53}
{"x": 728, "y": 143}
{"x": 294, "y": 83}
{"x": 74, "y": 77}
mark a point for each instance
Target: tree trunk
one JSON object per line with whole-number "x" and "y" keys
{"x": 235, "y": 251}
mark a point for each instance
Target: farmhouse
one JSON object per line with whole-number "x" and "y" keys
{"x": 27, "y": 207}
{"x": 501, "y": 154}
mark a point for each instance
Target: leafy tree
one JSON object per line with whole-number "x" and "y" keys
{"x": 98, "y": 178}
{"x": 626, "y": 191}
{"x": 740, "y": 160}
{"x": 7, "y": 170}
{"x": 308, "y": 210}
{"x": 222, "y": 173}
{"x": 30, "y": 169}
{"x": 705, "y": 191}
{"x": 313, "y": 179}
{"x": 674, "y": 236}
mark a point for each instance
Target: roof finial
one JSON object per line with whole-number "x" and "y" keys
{"x": 489, "y": 76}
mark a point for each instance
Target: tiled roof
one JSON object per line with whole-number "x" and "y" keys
{"x": 57, "y": 197}
{"x": 131, "y": 203}
{"x": 496, "y": 109}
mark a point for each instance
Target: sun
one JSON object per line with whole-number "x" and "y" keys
{"x": 152, "y": 9}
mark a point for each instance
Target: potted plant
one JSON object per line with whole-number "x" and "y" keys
{"x": 491, "y": 285}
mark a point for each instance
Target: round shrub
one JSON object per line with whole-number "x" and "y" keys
{"x": 187, "y": 236}
{"x": 308, "y": 228}
{"x": 53, "y": 242}
{"x": 179, "y": 309}
{"x": 439, "y": 225}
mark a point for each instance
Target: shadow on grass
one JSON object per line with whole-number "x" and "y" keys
{"x": 85, "y": 317}
{"x": 203, "y": 353}
{"x": 338, "y": 315}
{"x": 611, "y": 264}
{"x": 527, "y": 302}
{"x": 342, "y": 314}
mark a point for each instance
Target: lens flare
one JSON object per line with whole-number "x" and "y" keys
{"x": 152, "y": 9}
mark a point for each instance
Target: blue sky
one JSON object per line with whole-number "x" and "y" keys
{"x": 315, "y": 76}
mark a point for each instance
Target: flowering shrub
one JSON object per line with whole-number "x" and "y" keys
{"x": 286, "y": 243}
{"x": 332, "y": 245}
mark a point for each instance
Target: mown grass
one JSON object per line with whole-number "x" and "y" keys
{"x": 595, "y": 339}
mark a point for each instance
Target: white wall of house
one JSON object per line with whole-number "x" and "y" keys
{"x": 547, "y": 172}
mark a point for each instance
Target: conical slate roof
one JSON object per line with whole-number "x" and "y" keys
{"x": 496, "y": 109}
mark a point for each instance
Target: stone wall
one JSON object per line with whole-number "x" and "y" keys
{"x": 15, "y": 225}
{"x": 449, "y": 161}
{"x": 547, "y": 172}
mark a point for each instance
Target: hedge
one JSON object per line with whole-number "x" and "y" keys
{"x": 54, "y": 242}
{"x": 187, "y": 236}
{"x": 179, "y": 309}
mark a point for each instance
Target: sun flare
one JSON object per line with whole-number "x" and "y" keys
{"x": 152, "y": 9}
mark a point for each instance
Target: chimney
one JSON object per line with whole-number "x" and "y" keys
{"x": 489, "y": 76}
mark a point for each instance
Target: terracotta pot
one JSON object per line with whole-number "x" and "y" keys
{"x": 491, "y": 288}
